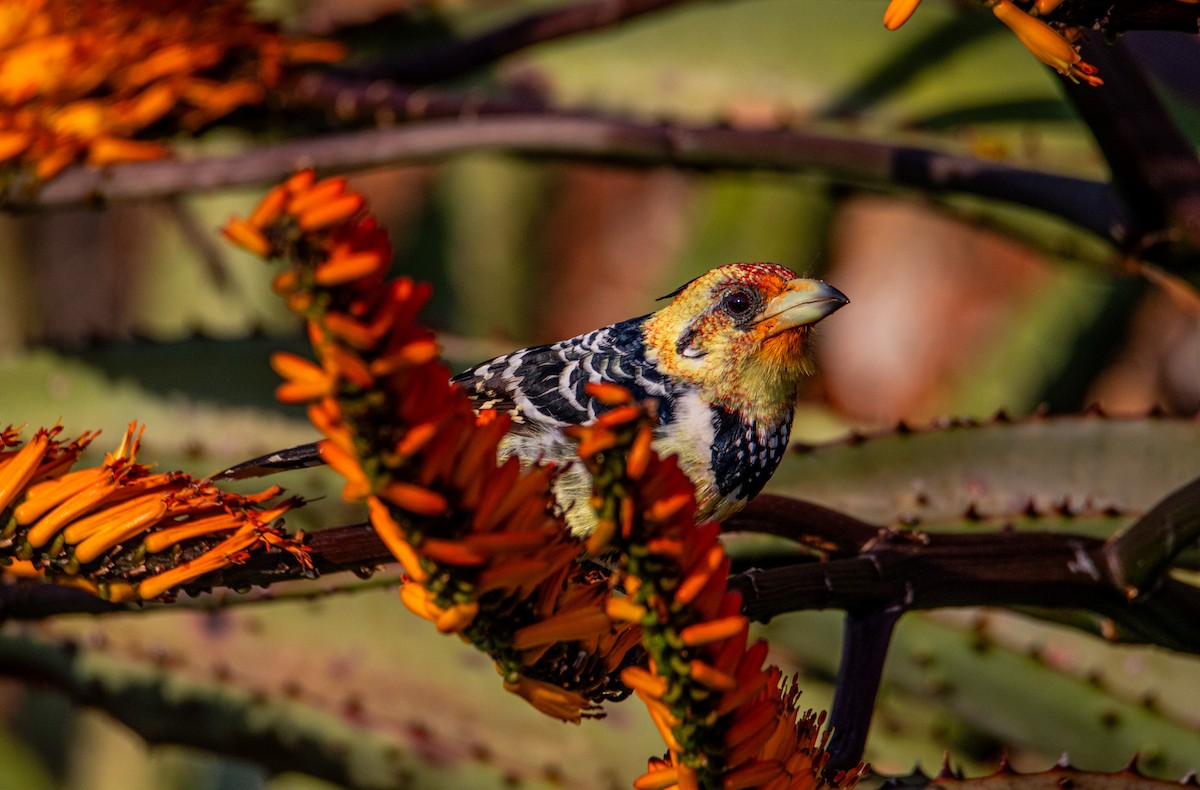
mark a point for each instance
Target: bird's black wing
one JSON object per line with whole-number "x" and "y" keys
{"x": 545, "y": 386}
{"x": 542, "y": 387}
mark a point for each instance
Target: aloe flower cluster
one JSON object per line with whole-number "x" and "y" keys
{"x": 117, "y": 529}
{"x": 85, "y": 81}
{"x": 728, "y": 721}
{"x": 1054, "y": 45}
{"x": 483, "y": 551}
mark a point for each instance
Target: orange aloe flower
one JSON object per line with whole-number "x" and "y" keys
{"x": 727, "y": 720}
{"x": 898, "y": 12}
{"x": 1046, "y": 44}
{"x": 80, "y": 81}
{"x": 119, "y": 531}
{"x": 1043, "y": 7}
{"x": 483, "y": 552}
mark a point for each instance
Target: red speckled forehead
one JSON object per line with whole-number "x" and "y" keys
{"x": 769, "y": 278}
{"x": 762, "y": 271}
{"x": 763, "y": 275}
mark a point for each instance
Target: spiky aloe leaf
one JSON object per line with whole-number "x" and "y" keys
{"x": 1060, "y": 776}
{"x": 1033, "y": 687}
{"x": 332, "y": 686}
{"x": 997, "y": 468}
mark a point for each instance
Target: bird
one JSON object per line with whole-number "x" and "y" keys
{"x": 722, "y": 360}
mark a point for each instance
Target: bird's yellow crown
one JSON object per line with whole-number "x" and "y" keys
{"x": 739, "y": 334}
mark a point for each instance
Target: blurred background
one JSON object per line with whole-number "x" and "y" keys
{"x": 959, "y": 307}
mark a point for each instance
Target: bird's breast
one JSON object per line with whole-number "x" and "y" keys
{"x": 728, "y": 457}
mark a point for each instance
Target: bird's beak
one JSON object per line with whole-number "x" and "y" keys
{"x": 802, "y": 303}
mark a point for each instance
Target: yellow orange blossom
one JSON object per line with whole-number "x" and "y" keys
{"x": 119, "y": 531}
{"x": 1046, "y": 44}
{"x": 1050, "y": 46}
{"x": 1043, "y": 7}
{"x": 898, "y": 12}
{"x": 484, "y": 554}
{"x": 79, "y": 81}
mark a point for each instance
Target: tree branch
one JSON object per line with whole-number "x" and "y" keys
{"x": 828, "y": 531}
{"x": 1153, "y": 166}
{"x": 1140, "y": 555}
{"x": 354, "y": 548}
{"x": 1088, "y": 204}
{"x": 458, "y": 57}
{"x": 926, "y": 571}
{"x": 864, "y": 652}
{"x": 1112, "y": 18}
{"x": 893, "y": 569}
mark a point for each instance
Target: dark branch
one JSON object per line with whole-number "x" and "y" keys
{"x": 459, "y": 57}
{"x": 1088, "y": 204}
{"x": 820, "y": 528}
{"x": 864, "y": 651}
{"x": 892, "y": 569}
{"x": 1153, "y": 166}
{"x": 26, "y": 600}
{"x": 1141, "y": 554}
{"x": 1112, "y": 18}
{"x": 354, "y": 548}
{"x": 926, "y": 571}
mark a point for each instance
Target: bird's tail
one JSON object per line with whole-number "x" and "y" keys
{"x": 300, "y": 457}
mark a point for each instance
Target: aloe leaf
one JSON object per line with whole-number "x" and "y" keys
{"x": 352, "y": 688}
{"x": 1033, "y": 687}
{"x": 1078, "y": 463}
{"x": 1060, "y": 776}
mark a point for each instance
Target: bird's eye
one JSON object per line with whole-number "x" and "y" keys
{"x": 737, "y": 303}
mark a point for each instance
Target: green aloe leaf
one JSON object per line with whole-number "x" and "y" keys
{"x": 1081, "y": 464}
{"x": 1032, "y": 687}
{"x": 351, "y": 688}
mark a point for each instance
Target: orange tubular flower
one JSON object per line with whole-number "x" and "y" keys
{"x": 1046, "y": 44}
{"x": 108, "y": 529}
{"x": 483, "y": 553}
{"x": 898, "y": 12}
{"x": 79, "y": 81}
{"x": 1043, "y": 7}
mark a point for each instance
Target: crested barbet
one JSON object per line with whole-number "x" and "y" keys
{"x": 722, "y": 360}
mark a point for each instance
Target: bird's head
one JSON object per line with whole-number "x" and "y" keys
{"x": 739, "y": 334}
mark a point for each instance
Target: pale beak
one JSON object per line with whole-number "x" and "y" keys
{"x": 802, "y": 303}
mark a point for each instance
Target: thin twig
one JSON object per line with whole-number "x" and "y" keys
{"x": 1088, "y": 204}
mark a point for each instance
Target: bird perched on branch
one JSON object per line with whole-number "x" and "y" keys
{"x": 722, "y": 359}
